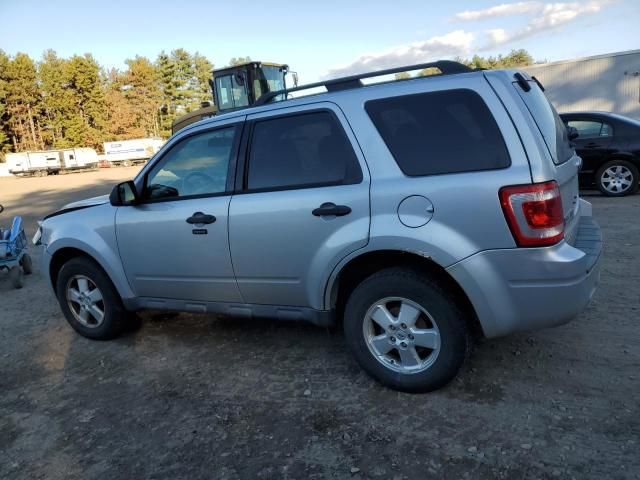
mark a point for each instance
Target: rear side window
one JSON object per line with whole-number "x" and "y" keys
{"x": 590, "y": 129}
{"x": 549, "y": 122}
{"x": 302, "y": 150}
{"x": 440, "y": 132}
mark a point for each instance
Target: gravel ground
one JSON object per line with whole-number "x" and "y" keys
{"x": 193, "y": 396}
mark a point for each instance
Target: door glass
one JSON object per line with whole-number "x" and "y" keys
{"x": 197, "y": 165}
{"x": 232, "y": 91}
{"x": 586, "y": 128}
{"x": 295, "y": 151}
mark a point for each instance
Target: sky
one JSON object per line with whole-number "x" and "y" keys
{"x": 319, "y": 39}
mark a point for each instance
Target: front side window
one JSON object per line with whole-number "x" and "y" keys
{"x": 197, "y": 165}
{"x": 295, "y": 151}
{"x": 439, "y": 132}
{"x": 590, "y": 128}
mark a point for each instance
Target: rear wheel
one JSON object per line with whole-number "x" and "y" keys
{"x": 617, "y": 178}
{"x": 27, "y": 264}
{"x": 405, "y": 331}
{"x": 89, "y": 300}
{"x": 17, "y": 277}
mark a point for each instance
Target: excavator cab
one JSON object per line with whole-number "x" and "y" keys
{"x": 241, "y": 85}
{"x": 238, "y": 86}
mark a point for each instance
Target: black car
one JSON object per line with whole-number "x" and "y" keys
{"x": 609, "y": 145}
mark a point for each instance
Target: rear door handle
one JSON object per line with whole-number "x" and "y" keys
{"x": 200, "y": 217}
{"x": 329, "y": 208}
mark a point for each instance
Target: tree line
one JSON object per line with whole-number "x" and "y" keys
{"x": 69, "y": 102}
{"x": 75, "y": 102}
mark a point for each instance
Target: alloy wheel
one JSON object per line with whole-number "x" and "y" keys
{"x": 85, "y": 301}
{"x": 401, "y": 335}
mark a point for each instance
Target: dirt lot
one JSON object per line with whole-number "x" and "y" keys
{"x": 198, "y": 397}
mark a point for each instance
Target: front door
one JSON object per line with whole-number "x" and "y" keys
{"x": 175, "y": 245}
{"x": 303, "y": 205}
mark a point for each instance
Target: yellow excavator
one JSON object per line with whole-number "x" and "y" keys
{"x": 238, "y": 86}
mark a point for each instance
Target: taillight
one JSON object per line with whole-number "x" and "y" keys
{"x": 534, "y": 213}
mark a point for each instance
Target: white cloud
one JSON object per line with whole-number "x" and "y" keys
{"x": 540, "y": 16}
{"x": 499, "y": 11}
{"x": 454, "y": 43}
{"x": 545, "y": 17}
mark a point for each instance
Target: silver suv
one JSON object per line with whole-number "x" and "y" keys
{"x": 418, "y": 213}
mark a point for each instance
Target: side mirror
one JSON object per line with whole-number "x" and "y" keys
{"x": 124, "y": 194}
{"x": 572, "y": 132}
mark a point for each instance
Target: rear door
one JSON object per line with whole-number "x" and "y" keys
{"x": 303, "y": 204}
{"x": 565, "y": 161}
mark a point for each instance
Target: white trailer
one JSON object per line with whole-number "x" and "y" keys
{"x": 41, "y": 163}
{"x": 129, "y": 152}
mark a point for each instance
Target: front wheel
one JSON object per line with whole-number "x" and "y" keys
{"x": 405, "y": 331}
{"x": 89, "y": 300}
{"x": 617, "y": 178}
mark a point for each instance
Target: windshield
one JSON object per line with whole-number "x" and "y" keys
{"x": 269, "y": 79}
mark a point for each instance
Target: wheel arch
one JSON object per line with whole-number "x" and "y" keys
{"x": 66, "y": 253}
{"x": 62, "y": 256}
{"x": 368, "y": 263}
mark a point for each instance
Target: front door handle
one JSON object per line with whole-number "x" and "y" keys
{"x": 200, "y": 217}
{"x": 331, "y": 209}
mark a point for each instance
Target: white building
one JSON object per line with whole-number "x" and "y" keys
{"x": 609, "y": 83}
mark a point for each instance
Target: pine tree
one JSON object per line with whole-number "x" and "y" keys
{"x": 4, "y": 116}
{"x": 86, "y": 123}
{"x": 202, "y": 75}
{"x": 22, "y": 103}
{"x": 142, "y": 91}
{"x": 56, "y": 99}
{"x": 168, "y": 86}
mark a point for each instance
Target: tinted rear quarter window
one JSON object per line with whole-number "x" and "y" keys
{"x": 548, "y": 121}
{"x": 439, "y": 132}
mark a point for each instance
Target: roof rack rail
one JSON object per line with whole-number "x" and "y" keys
{"x": 447, "y": 67}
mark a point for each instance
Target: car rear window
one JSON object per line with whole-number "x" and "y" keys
{"x": 549, "y": 122}
{"x": 439, "y": 132}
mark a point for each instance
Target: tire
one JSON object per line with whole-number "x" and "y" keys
{"x": 84, "y": 276}
{"x": 17, "y": 277}
{"x": 616, "y": 172}
{"x": 126, "y": 163}
{"x": 27, "y": 264}
{"x": 438, "y": 317}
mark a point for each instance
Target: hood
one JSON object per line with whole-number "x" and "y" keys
{"x": 89, "y": 202}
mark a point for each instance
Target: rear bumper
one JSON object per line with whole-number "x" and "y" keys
{"x": 531, "y": 288}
